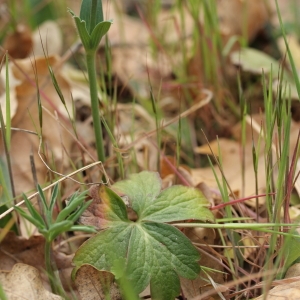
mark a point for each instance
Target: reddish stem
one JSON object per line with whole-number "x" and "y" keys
{"x": 238, "y": 201}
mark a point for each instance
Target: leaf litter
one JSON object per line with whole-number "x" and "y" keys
{"x": 134, "y": 63}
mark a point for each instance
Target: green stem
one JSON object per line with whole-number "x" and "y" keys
{"x": 91, "y": 62}
{"x": 55, "y": 283}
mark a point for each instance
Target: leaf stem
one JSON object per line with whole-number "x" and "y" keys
{"x": 91, "y": 62}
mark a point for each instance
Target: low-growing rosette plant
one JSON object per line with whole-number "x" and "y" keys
{"x": 51, "y": 227}
{"x": 151, "y": 251}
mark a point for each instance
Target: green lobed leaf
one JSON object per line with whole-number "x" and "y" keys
{"x": 178, "y": 203}
{"x": 113, "y": 206}
{"x": 292, "y": 253}
{"x": 154, "y": 252}
{"x": 173, "y": 204}
{"x": 141, "y": 189}
{"x": 103, "y": 249}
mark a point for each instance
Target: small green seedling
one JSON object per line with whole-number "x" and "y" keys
{"x": 91, "y": 28}
{"x": 50, "y": 228}
{"x": 150, "y": 250}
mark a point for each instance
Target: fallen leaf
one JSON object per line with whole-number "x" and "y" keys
{"x": 293, "y": 271}
{"x": 232, "y": 167}
{"x": 242, "y": 18}
{"x": 94, "y": 284}
{"x": 15, "y": 249}
{"x": 290, "y": 291}
{"x": 49, "y": 37}
{"x": 23, "y": 282}
{"x": 21, "y": 36}
{"x": 255, "y": 61}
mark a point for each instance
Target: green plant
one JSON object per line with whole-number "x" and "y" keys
{"x": 50, "y": 228}
{"x": 91, "y": 29}
{"x": 150, "y": 250}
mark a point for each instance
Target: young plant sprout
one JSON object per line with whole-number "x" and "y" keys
{"x": 51, "y": 228}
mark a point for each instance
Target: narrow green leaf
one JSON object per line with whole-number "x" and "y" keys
{"x": 7, "y": 94}
{"x": 100, "y": 30}
{"x": 58, "y": 228}
{"x": 92, "y": 13}
{"x": 35, "y": 222}
{"x": 42, "y": 195}
{"x": 85, "y": 14}
{"x": 56, "y": 85}
{"x": 53, "y": 198}
{"x": 71, "y": 206}
{"x": 82, "y": 31}
{"x": 88, "y": 229}
{"x": 34, "y": 213}
{"x": 74, "y": 216}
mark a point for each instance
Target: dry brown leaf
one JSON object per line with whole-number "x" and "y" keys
{"x": 204, "y": 236}
{"x": 237, "y": 15}
{"x": 290, "y": 291}
{"x": 23, "y": 282}
{"x": 194, "y": 288}
{"x": 15, "y": 249}
{"x": 232, "y": 167}
{"x": 93, "y": 215}
{"x": 93, "y": 284}
{"x": 48, "y": 36}
{"x": 293, "y": 271}
{"x": 19, "y": 43}
{"x": 286, "y": 9}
